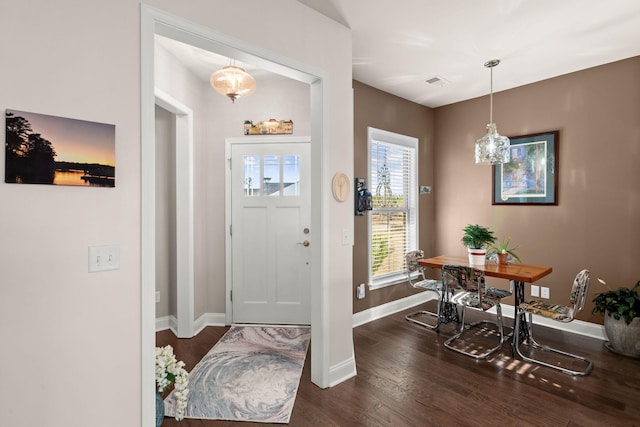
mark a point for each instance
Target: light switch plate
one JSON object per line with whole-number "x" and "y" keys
{"x": 104, "y": 258}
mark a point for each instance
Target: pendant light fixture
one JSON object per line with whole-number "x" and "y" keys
{"x": 492, "y": 148}
{"x": 233, "y": 82}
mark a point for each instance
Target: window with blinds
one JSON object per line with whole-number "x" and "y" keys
{"x": 393, "y": 227}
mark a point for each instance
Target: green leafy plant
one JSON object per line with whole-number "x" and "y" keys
{"x": 620, "y": 303}
{"x": 477, "y": 237}
{"x": 503, "y": 248}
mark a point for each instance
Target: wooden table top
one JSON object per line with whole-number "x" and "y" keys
{"x": 518, "y": 272}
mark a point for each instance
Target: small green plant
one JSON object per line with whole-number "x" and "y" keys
{"x": 503, "y": 248}
{"x": 621, "y": 303}
{"x": 477, "y": 237}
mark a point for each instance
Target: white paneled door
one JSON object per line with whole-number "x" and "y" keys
{"x": 270, "y": 233}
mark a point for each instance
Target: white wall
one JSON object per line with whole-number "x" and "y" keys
{"x": 71, "y": 340}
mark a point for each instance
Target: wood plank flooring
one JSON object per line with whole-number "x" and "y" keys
{"x": 406, "y": 377}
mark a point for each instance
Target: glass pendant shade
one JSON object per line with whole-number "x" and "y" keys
{"x": 233, "y": 82}
{"x": 492, "y": 148}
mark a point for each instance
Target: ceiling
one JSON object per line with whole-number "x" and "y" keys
{"x": 400, "y": 44}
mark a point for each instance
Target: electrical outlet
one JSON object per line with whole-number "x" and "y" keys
{"x": 544, "y": 292}
{"x": 360, "y": 294}
{"x": 535, "y": 290}
{"x": 104, "y": 258}
{"x": 157, "y": 297}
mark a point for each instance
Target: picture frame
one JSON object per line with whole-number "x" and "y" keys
{"x": 53, "y": 150}
{"x": 531, "y": 176}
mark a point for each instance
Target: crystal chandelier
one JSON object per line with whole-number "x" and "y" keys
{"x": 492, "y": 148}
{"x": 233, "y": 81}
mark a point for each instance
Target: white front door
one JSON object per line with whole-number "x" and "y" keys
{"x": 270, "y": 233}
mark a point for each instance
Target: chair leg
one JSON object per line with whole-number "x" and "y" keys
{"x": 437, "y": 315}
{"x": 533, "y": 343}
{"x": 465, "y": 328}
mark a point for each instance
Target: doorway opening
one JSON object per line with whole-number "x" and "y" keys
{"x": 154, "y": 21}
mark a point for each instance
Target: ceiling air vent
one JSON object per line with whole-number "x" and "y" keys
{"x": 437, "y": 81}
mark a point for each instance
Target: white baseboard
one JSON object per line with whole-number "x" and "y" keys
{"x": 579, "y": 327}
{"x": 167, "y": 322}
{"x": 392, "y": 307}
{"x": 207, "y": 319}
{"x": 342, "y": 371}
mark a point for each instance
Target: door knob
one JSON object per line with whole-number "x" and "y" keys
{"x": 305, "y": 243}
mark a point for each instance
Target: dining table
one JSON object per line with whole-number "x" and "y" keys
{"x": 517, "y": 273}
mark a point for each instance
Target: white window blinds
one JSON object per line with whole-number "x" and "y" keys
{"x": 393, "y": 221}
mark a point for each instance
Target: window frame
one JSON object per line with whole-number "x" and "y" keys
{"x": 412, "y": 144}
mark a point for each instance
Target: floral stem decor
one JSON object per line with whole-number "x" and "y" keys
{"x": 168, "y": 371}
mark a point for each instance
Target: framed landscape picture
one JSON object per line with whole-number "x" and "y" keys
{"x": 43, "y": 149}
{"x": 531, "y": 176}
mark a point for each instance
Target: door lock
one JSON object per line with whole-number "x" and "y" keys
{"x": 305, "y": 243}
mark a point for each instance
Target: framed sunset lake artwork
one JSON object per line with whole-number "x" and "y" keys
{"x": 531, "y": 176}
{"x": 44, "y": 149}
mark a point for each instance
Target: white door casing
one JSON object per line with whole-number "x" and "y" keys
{"x": 270, "y": 231}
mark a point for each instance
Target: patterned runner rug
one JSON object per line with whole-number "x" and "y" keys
{"x": 251, "y": 374}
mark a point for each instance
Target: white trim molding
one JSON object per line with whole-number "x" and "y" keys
{"x": 207, "y": 319}
{"x": 579, "y": 327}
{"x": 392, "y": 307}
{"x": 342, "y": 371}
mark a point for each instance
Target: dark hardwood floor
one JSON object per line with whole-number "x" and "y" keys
{"x": 407, "y": 378}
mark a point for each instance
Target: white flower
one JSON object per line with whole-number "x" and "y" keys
{"x": 168, "y": 371}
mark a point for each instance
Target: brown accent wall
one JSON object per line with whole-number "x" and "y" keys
{"x": 374, "y": 108}
{"x": 596, "y": 224}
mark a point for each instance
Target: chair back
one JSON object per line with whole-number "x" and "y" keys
{"x": 411, "y": 259}
{"x": 579, "y": 291}
{"x": 462, "y": 277}
{"x": 414, "y": 270}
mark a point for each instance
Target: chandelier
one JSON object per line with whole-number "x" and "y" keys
{"x": 492, "y": 148}
{"x": 233, "y": 82}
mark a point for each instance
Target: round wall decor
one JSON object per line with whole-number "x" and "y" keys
{"x": 340, "y": 186}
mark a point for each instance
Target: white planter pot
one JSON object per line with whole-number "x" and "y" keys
{"x": 623, "y": 339}
{"x": 477, "y": 256}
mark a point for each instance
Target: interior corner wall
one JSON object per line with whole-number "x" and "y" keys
{"x": 595, "y": 224}
{"x": 378, "y": 109}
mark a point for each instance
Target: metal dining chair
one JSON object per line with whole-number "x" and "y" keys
{"x": 418, "y": 280}
{"x": 474, "y": 294}
{"x": 560, "y": 313}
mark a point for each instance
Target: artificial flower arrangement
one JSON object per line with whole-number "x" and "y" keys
{"x": 168, "y": 371}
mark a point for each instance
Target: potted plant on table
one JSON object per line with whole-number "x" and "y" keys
{"x": 476, "y": 238}
{"x": 503, "y": 251}
{"x": 169, "y": 371}
{"x": 621, "y": 311}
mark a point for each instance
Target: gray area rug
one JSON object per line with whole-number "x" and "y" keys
{"x": 251, "y": 374}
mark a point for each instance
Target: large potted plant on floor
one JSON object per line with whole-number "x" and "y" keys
{"x": 621, "y": 311}
{"x": 476, "y": 238}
